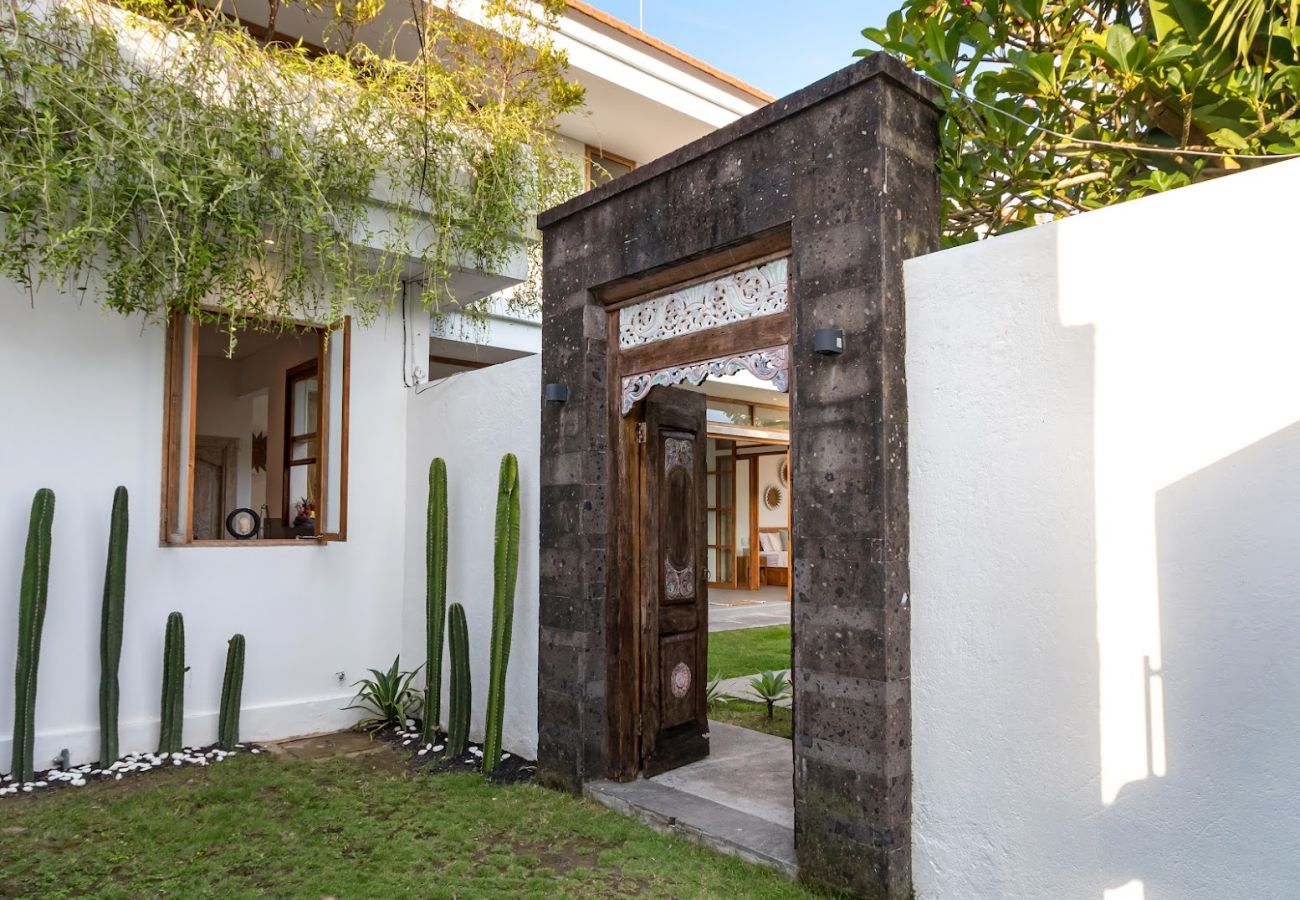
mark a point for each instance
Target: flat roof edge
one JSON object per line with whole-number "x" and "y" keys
{"x": 654, "y": 43}
{"x": 877, "y": 65}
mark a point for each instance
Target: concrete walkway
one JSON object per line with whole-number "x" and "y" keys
{"x": 727, "y": 615}
{"x": 739, "y": 800}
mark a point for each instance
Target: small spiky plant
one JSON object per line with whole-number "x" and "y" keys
{"x": 771, "y": 687}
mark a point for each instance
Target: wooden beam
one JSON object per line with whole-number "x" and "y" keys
{"x": 728, "y": 340}
{"x": 772, "y": 244}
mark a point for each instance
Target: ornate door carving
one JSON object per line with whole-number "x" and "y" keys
{"x": 674, "y": 581}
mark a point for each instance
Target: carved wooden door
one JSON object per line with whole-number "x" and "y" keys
{"x": 674, "y": 581}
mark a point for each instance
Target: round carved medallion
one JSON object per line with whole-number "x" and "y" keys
{"x": 680, "y": 680}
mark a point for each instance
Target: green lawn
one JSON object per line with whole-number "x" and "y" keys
{"x": 754, "y": 717}
{"x": 364, "y": 827}
{"x": 749, "y": 651}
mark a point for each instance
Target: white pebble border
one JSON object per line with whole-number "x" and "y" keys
{"x": 411, "y": 736}
{"x": 78, "y": 776}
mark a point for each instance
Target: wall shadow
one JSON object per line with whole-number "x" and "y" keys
{"x": 1224, "y": 821}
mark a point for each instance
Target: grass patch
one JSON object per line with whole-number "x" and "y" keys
{"x": 749, "y": 651}
{"x": 754, "y": 717}
{"x": 362, "y": 827}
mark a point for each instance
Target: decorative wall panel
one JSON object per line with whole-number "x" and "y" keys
{"x": 771, "y": 364}
{"x": 748, "y": 294}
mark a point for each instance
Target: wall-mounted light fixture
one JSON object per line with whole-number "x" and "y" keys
{"x": 829, "y": 341}
{"x": 555, "y": 393}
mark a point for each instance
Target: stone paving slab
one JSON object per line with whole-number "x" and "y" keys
{"x": 327, "y": 746}
{"x": 706, "y": 822}
{"x": 738, "y": 800}
{"x": 746, "y": 770}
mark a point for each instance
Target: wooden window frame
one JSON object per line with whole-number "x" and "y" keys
{"x": 292, "y": 377}
{"x": 591, "y": 153}
{"x": 180, "y": 394}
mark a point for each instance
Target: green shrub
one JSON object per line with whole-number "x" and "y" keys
{"x": 388, "y": 697}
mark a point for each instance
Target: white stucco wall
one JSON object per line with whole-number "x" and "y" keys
{"x": 471, "y": 420}
{"x": 81, "y": 396}
{"x": 1105, "y": 552}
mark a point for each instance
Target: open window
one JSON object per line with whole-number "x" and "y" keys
{"x": 255, "y": 433}
{"x": 603, "y": 167}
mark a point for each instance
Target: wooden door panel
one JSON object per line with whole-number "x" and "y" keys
{"x": 677, "y": 674}
{"x": 674, "y": 589}
{"x": 677, "y": 619}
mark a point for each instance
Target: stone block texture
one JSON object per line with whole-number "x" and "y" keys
{"x": 847, "y": 165}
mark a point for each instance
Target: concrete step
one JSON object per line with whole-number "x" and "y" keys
{"x": 705, "y": 822}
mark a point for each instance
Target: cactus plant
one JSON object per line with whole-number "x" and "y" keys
{"x": 173, "y": 688}
{"x": 435, "y": 563}
{"x": 31, "y": 619}
{"x": 232, "y": 689}
{"x": 458, "y": 713}
{"x": 110, "y": 627}
{"x": 505, "y": 569}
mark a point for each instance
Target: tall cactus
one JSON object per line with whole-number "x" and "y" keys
{"x": 33, "y": 593}
{"x": 232, "y": 689}
{"x": 173, "y": 688}
{"x": 110, "y": 628}
{"x": 505, "y": 569}
{"x": 458, "y": 713}
{"x": 435, "y": 564}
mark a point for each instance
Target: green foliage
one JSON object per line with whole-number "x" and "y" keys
{"x": 232, "y": 690}
{"x": 714, "y": 695}
{"x": 33, "y": 593}
{"x": 771, "y": 687}
{"x": 157, "y": 155}
{"x": 435, "y": 563}
{"x": 352, "y": 827}
{"x": 747, "y": 714}
{"x": 110, "y": 627}
{"x": 461, "y": 693}
{"x": 388, "y": 697}
{"x": 744, "y": 651}
{"x": 1061, "y": 106}
{"x": 172, "y": 721}
{"x": 505, "y": 570}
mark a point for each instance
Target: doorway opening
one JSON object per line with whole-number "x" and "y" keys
{"x": 702, "y": 655}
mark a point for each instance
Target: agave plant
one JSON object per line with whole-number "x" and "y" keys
{"x": 714, "y": 695}
{"x": 388, "y": 697}
{"x": 771, "y": 687}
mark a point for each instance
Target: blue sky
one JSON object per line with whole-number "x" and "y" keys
{"x": 776, "y": 45}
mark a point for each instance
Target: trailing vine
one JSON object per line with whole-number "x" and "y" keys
{"x": 162, "y": 159}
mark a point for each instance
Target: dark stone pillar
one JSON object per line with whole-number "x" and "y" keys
{"x": 847, "y": 166}
{"x": 849, "y": 516}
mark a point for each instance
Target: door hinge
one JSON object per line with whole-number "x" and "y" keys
{"x": 640, "y": 432}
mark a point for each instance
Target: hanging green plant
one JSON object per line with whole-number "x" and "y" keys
{"x": 159, "y": 157}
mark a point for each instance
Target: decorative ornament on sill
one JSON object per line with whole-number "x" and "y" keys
{"x": 751, "y": 293}
{"x": 770, "y": 364}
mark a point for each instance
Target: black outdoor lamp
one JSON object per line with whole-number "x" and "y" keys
{"x": 828, "y": 341}
{"x": 555, "y": 393}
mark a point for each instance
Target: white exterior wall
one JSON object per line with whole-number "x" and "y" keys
{"x": 1104, "y": 421}
{"x": 471, "y": 420}
{"x": 81, "y": 396}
